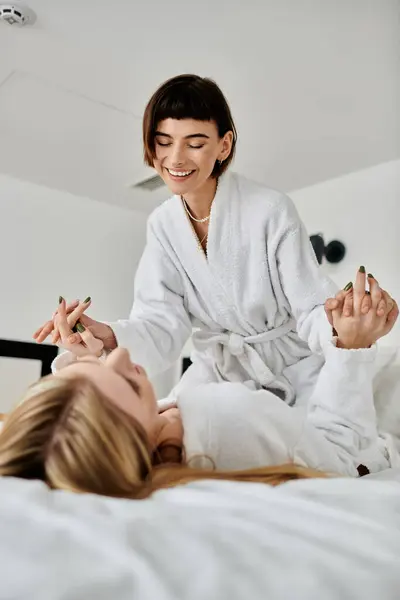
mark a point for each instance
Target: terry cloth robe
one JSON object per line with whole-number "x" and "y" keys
{"x": 229, "y": 427}
{"x": 255, "y": 301}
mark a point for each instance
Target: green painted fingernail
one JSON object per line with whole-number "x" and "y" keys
{"x": 348, "y": 286}
{"x": 60, "y": 299}
{"x": 88, "y": 299}
{"x": 371, "y": 276}
{"x": 362, "y": 269}
{"x": 80, "y": 327}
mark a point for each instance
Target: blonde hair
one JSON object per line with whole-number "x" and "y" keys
{"x": 71, "y": 436}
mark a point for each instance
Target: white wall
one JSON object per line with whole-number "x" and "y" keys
{"x": 362, "y": 210}
{"x": 52, "y": 244}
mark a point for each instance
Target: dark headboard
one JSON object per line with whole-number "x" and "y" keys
{"x": 30, "y": 350}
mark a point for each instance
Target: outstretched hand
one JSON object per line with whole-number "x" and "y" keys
{"x": 333, "y": 303}
{"x": 362, "y": 317}
{"x": 87, "y": 343}
{"x": 76, "y": 318}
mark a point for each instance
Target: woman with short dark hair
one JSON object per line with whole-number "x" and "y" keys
{"x": 226, "y": 257}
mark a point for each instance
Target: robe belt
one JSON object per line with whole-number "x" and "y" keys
{"x": 243, "y": 347}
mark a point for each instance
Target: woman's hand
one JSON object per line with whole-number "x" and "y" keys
{"x": 86, "y": 345}
{"x": 361, "y": 317}
{"x": 333, "y": 303}
{"x": 74, "y": 313}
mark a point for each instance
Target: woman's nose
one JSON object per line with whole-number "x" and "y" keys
{"x": 177, "y": 157}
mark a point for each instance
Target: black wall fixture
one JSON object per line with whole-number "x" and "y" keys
{"x": 334, "y": 252}
{"x": 31, "y": 350}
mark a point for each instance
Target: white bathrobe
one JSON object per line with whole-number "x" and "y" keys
{"x": 255, "y": 302}
{"x": 229, "y": 427}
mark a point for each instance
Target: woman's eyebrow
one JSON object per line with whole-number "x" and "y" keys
{"x": 187, "y": 137}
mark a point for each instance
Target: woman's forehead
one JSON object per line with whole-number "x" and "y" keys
{"x": 185, "y": 127}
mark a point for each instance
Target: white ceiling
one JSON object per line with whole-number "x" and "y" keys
{"x": 314, "y": 86}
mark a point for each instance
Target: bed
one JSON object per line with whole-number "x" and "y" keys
{"x": 305, "y": 540}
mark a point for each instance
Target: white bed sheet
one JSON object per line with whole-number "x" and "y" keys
{"x": 307, "y": 540}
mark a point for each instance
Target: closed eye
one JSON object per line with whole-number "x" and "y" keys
{"x": 133, "y": 384}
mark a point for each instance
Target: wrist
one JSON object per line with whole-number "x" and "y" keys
{"x": 344, "y": 344}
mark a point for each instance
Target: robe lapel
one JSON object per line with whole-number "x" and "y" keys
{"x": 227, "y": 248}
{"x": 205, "y": 271}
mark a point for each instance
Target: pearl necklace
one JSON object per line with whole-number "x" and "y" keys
{"x": 198, "y": 240}
{"x": 190, "y": 214}
{"x": 192, "y": 218}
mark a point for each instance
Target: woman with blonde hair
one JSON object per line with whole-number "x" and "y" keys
{"x": 95, "y": 425}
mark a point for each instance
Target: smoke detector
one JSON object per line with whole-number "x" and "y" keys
{"x": 13, "y": 14}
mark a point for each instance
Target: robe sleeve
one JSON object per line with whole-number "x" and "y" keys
{"x": 61, "y": 361}
{"x": 342, "y": 411}
{"x": 158, "y": 325}
{"x": 232, "y": 427}
{"x": 303, "y": 283}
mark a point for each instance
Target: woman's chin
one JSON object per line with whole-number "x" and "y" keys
{"x": 180, "y": 190}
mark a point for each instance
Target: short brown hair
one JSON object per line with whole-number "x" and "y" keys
{"x": 188, "y": 97}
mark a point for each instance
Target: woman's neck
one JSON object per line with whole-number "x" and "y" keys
{"x": 200, "y": 200}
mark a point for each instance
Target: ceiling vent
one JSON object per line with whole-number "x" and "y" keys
{"x": 151, "y": 184}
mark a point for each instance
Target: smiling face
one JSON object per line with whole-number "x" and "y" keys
{"x": 124, "y": 383}
{"x": 186, "y": 151}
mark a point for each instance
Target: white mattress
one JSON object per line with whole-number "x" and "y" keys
{"x": 308, "y": 540}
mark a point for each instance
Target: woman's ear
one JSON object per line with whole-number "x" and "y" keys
{"x": 227, "y": 142}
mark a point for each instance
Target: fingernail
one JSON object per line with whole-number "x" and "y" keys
{"x": 88, "y": 299}
{"x": 371, "y": 276}
{"x": 348, "y": 286}
{"x": 80, "y": 327}
{"x": 60, "y": 299}
{"x": 362, "y": 269}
